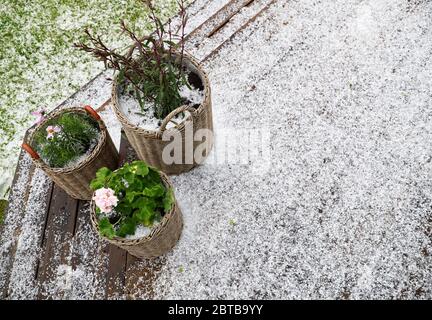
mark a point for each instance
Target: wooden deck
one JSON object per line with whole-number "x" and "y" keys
{"x": 61, "y": 225}
{"x": 343, "y": 208}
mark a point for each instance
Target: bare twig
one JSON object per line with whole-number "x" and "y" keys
{"x": 153, "y": 73}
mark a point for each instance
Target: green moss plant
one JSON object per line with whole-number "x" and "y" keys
{"x": 61, "y": 141}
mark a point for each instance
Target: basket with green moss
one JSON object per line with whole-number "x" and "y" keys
{"x": 70, "y": 145}
{"x": 134, "y": 208}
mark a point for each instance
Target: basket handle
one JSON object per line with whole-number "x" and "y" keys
{"x": 92, "y": 112}
{"x": 171, "y": 115}
{"x": 30, "y": 151}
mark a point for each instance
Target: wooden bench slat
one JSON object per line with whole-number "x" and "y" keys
{"x": 10, "y": 229}
{"x": 89, "y": 263}
{"x": 115, "y": 283}
{"x": 141, "y": 276}
{"x": 57, "y": 243}
{"x": 212, "y": 35}
{"x": 23, "y": 283}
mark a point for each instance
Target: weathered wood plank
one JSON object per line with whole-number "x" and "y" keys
{"x": 89, "y": 263}
{"x": 57, "y": 244}
{"x": 223, "y": 25}
{"x": 228, "y": 17}
{"x": 217, "y": 17}
{"x": 25, "y": 266}
{"x": 116, "y": 273}
{"x": 13, "y": 219}
{"x": 141, "y": 275}
{"x": 251, "y": 18}
{"x": 272, "y": 21}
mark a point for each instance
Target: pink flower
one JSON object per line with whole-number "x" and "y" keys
{"x": 40, "y": 115}
{"x": 52, "y": 130}
{"x": 105, "y": 199}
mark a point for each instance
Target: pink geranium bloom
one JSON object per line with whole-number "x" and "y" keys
{"x": 52, "y": 130}
{"x": 40, "y": 115}
{"x": 105, "y": 199}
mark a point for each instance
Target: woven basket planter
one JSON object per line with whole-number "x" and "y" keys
{"x": 162, "y": 238}
{"x": 75, "y": 180}
{"x": 149, "y": 144}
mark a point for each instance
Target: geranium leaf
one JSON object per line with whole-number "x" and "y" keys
{"x": 101, "y": 176}
{"x": 145, "y": 215}
{"x": 96, "y": 184}
{"x": 141, "y": 168}
{"x": 127, "y": 226}
{"x": 154, "y": 191}
{"x": 130, "y": 196}
{"x": 106, "y": 228}
{"x": 103, "y": 172}
{"x": 168, "y": 200}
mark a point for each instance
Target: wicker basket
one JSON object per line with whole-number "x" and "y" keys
{"x": 149, "y": 144}
{"x": 75, "y": 180}
{"x": 162, "y": 238}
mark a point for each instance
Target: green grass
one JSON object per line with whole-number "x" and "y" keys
{"x": 3, "y": 205}
{"x": 38, "y": 66}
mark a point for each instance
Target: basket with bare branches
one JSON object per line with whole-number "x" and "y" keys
{"x": 155, "y": 73}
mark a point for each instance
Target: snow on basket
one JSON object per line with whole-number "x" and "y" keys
{"x": 134, "y": 208}
{"x": 148, "y": 141}
{"x": 71, "y": 159}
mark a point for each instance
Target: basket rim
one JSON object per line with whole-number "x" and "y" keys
{"x": 81, "y": 164}
{"x": 154, "y": 230}
{"x": 156, "y": 133}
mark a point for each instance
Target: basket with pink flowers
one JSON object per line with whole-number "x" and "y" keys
{"x": 70, "y": 145}
{"x": 134, "y": 208}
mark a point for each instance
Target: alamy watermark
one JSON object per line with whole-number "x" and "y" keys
{"x": 225, "y": 146}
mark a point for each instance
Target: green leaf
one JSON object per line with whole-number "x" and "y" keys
{"x": 140, "y": 99}
{"x": 157, "y": 217}
{"x": 124, "y": 208}
{"x": 141, "y": 168}
{"x": 106, "y": 228}
{"x": 185, "y": 81}
{"x": 96, "y": 184}
{"x": 116, "y": 183}
{"x": 154, "y": 191}
{"x": 144, "y": 202}
{"x": 127, "y": 226}
{"x": 121, "y": 76}
{"x": 129, "y": 177}
{"x": 152, "y": 178}
{"x": 103, "y": 173}
{"x": 170, "y": 43}
{"x": 123, "y": 170}
{"x": 138, "y": 184}
{"x": 145, "y": 215}
{"x": 130, "y": 196}
{"x": 101, "y": 177}
{"x": 168, "y": 200}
